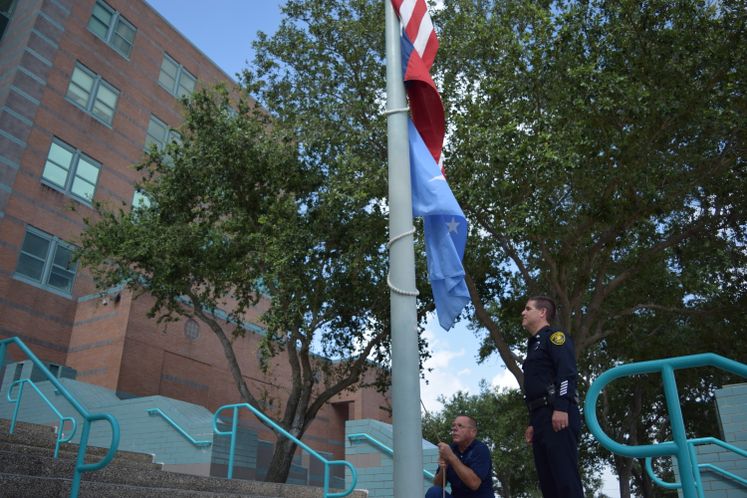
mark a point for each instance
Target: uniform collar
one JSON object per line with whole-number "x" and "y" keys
{"x": 540, "y": 332}
{"x": 543, "y": 330}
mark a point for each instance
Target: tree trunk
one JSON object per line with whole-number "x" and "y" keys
{"x": 282, "y": 458}
{"x": 623, "y": 467}
{"x": 643, "y": 481}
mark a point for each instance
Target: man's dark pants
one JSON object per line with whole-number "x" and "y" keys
{"x": 556, "y": 454}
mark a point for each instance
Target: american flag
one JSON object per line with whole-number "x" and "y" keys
{"x": 419, "y": 47}
{"x": 418, "y": 26}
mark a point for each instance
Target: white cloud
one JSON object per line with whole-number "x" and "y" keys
{"x": 454, "y": 365}
{"x": 504, "y": 379}
{"x": 440, "y": 370}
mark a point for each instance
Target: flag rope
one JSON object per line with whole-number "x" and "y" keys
{"x": 394, "y": 111}
{"x": 388, "y": 246}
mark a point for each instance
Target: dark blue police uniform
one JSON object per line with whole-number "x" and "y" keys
{"x": 550, "y": 384}
{"x": 477, "y": 457}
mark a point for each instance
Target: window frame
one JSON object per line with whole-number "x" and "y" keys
{"x": 48, "y": 266}
{"x": 7, "y": 14}
{"x": 180, "y": 71}
{"x": 171, "y": 135}
{"x": 111, "y": 28}
{"x": 93, "y": 93}
{"x": 72, "y": 172}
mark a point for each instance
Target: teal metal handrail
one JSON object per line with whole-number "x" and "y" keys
{"x": 705, "y": 466}
{"x": 283, "y": 432}
{"x": 158, "y": 411}
{"x": 362, "y": 436}
{"x": 679, "y": 447}
{"x": 88, "y": 418}
{"x": 60, "y": 435}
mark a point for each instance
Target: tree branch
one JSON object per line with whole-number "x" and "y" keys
{"x": 355, "y": 370}
{"x": 508, "y": 247}
{"x": 484, "y": 317}
{"x": 233, "y": 364}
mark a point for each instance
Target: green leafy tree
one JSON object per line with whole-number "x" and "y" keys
{"x": 236, "y": 212}
{"x": 597, "y": 149}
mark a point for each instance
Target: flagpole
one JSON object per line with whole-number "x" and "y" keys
{"x": 407, "y": 431}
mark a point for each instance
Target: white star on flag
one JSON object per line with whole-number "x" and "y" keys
{"x": 453, "y": 225}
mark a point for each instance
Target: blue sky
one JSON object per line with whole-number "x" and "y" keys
{"x": 222, "y": 29}
{"x": 224, "y": 32}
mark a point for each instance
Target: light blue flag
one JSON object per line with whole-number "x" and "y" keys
{"x": 445, "y": 230}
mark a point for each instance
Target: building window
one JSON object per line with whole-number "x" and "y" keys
{"x": 6, "y": 9}
{"x": 192, "y": 330}
{"x": 159, "y": 134}
{"x": 91, "y": 93}
{"x": 70, "y": 171}
{"x": 46, "y": 261}
{"x": 174, "y": 78}
{"x": 110, "y": 26}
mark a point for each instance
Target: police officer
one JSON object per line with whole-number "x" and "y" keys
{"x": 550, "y": 391}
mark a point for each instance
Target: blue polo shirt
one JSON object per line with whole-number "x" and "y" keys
{"x": 476, "y": 457}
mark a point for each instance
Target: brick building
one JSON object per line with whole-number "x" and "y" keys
{"x": 85, "y": 87}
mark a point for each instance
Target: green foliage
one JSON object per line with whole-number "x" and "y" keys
{"x": 237, "y": 209}
{"x": 215, "y": 198}
{"x": 598, "y": 149}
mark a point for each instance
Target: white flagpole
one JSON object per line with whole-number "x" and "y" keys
{"x": 408, "y": 452}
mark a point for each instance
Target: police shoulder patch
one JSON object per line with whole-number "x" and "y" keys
{"x": 558, "y": 338}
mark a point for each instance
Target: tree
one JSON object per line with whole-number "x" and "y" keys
{"x": 236, "y": 212}
{"x": 321, "y": 77}
{"x": 596, "y": 147}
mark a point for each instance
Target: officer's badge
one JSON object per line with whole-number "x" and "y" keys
{"x": 558, "y": 338}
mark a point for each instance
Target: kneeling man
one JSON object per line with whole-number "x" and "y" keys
{"x": 467, "y": 463}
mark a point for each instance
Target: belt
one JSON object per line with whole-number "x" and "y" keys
{"x": 539, "y": 403}
{"x": 546, "y": 401}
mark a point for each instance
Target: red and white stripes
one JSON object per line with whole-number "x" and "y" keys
{"x": 419, "y": 28}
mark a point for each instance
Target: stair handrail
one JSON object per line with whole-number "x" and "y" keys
{"x": 60, "y": 434}
{"x": 679, "y": 447}
{"x": 88, "y": 417}
{"x": 269, "y": 422}
{"x": 381, "y": 447}
{"x": 179, "y": 429}
{"x": 706, "y": 466}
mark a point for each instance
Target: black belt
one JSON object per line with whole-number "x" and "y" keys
{"x": 539, "y": 403}
{"x": 546, "y": 401}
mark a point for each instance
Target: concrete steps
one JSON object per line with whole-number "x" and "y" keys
{"x": 28, "y": 470}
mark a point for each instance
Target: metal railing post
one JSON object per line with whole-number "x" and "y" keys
{"x": 17, "y": 408}
{"x": 80, "y": 465}
{"x": 680, "y": 447}
{"x": 3, "y": 348}
{"x": 684, "y": 459}
{"x": 80, "y": 459}
{"x": 273, "y": 425}
{"x": 232, "y": 449}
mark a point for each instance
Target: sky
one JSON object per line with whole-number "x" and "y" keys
{"x": 224, "y": 32}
